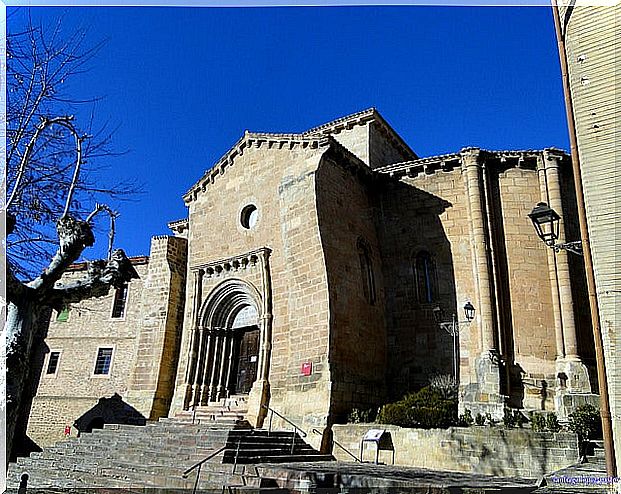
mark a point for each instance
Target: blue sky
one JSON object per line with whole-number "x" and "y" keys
{"x": 182, "y": 84}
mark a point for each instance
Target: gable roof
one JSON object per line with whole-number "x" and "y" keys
{"x": 361, "y": 118}
{"x": 314, "y": 137}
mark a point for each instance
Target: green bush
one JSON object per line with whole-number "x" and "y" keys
{"x": 537, "y": 422}
{"x": 513, "y": 418}
{"x": 479, "y": 419}
{"x": 509, "y": 418}
{"x": 395, "y": 414}
{"x": 586, "y": 422}
{"x": 552, "y": 423}
{"x": 465, "y": 419}
{"x": 425, "y": 409}
{"x": 520, "y": 418}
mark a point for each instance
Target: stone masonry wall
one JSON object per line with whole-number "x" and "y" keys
{"x": 358, "y": 331}
{"x": 485, "y": 450}
{"x": 532, "y": 317}
{"x": 426, "y": 213}
{"x": 381, "y": 151}
{"x": 74, "y": 389}
{"x": 280, "y": 182}
{"x": 163, "y": 297}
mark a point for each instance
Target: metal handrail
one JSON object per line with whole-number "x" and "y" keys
{"x": 199, "y": 465}
{"x": 335, "y": 442}
{"x": 304, "y": 434}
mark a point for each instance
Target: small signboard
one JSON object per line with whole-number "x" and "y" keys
{"x": 307, "y": 368}
{"x": 382, "y": 440}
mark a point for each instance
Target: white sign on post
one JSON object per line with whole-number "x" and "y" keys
{"x": 374, "y": 434}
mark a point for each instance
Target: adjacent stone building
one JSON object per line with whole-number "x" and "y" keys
{"x": 315, "y": 266}
{"x": 112, "y": 359}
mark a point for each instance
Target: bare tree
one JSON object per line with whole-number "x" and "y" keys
{"x": 48, "y": 188}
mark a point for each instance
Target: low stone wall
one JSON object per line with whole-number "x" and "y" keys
{"x": 487, "y": 450}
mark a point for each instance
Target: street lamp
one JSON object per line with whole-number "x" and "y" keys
{"x": 452, "y": 328}
{"x": 547, "y": 225}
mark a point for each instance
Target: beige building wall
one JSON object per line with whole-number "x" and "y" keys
{"x": 358, "y": 358}
{"x": 592, "y": 45}
{"x": 152, "y": 379}
{"x": 431, "y": 209}
{"x": 145, "y": 343}
{"x": 279, "y": 179}
{"x": 65, "y": 396}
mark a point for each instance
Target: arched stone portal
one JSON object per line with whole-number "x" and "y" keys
{"x": 228, "y": 352}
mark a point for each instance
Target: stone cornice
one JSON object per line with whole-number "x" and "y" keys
{"x": 343, "y": 123}
{"x": 361, "y": 118}
{"x": 448, "y": 162}
{"x": 247, "y": 141}
{"x": 234, "y": 263}
{"x": 178, "y": 226}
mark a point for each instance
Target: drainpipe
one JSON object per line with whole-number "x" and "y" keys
{"x": 611, "y": 468}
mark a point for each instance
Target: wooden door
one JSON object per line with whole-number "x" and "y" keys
{"x": 247, "y": 360}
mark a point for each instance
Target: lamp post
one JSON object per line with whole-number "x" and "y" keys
{"x": 452, "y": 328}
{"x": 547, "y": 223}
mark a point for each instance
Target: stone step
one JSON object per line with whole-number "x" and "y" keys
{"x": 266, "y": 458}
{"x": 154, "y": 456}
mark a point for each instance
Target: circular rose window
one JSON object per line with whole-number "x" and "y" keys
{"x": 249, "y": 216}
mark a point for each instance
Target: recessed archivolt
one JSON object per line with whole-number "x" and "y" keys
{"x": 226, "y": 301}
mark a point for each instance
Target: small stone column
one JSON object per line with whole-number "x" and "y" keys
{"x": 206, "y": 379}
{"x": 471, "y": 168}
{"x": 216, "y": 362}
{"x": 484, "y": 396}
{"x": 192, "y": 369}
{"x": 577, "y": 374}
{"x": 259, "y": 394}
{"x": 554, "y": 288}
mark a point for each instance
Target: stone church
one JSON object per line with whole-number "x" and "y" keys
{"x": 309, "y": 275}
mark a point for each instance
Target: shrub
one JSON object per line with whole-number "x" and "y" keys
{"x": 537, "y": 422}
{"x": 445, "y": 385}
{"x": 552, "y": 423}
{"x": 425, "y": 409}
{"x": 395, "y": 414}
{"x": 479, "y": 419}
{"x": 488, "y": 419}
{"x": 358, "y": 416}
{"x": 513, "y": 418}
{"x": 509, "y": 418}
{"x": 520, "y": 418}
{"x": 586, "y": 422}
{"x": 465, "y": 419}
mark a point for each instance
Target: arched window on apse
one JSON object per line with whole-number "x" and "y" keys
{"x": 366, "y": 270}
{"x": 425, "y": 277}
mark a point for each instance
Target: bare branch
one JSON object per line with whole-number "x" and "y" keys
{"x": 45, "y": 124}
{"x": 102, "y": 275}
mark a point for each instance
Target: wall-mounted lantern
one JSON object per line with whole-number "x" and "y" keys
{"x": 547, "y": 223}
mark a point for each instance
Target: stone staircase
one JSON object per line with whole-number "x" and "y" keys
{"x": 155, "y": 456}
{"x": 588, "y": 476}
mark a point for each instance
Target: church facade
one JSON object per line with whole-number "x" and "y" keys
{"x": 315, "y": 266}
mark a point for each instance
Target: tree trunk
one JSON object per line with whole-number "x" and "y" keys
{"x": 21, "y": 328}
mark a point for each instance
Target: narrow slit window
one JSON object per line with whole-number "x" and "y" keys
{"x": 120, "y": 302}
{"x": 366, "y": 269}
{"x": 52, "y": 363}
{"x": 425, "y": 277}
{"x": 103, "y": 362}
